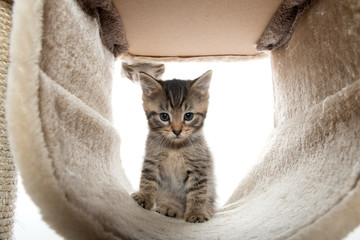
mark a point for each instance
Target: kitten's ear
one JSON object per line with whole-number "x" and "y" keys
{"x": 159, "y": 71}
{"x": 202, "y": 84}
{"x": 149, "y": 85}
{"x": 128, "y": 71}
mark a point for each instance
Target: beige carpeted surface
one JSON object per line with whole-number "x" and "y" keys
{"x": 59, "y": 118}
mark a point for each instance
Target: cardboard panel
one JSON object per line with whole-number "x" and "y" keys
{"x": 194, "y": 28}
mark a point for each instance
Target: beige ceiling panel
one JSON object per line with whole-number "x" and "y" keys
{"x": 194, "y": 27}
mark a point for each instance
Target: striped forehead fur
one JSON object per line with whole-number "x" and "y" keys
{"x": 176, "y": 91}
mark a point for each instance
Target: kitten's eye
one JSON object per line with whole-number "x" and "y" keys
{"x": 188, "y": 116}
{"x": 164, "y": 117}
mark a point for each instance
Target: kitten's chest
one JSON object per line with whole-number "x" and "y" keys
{"x": 173, "y": 168}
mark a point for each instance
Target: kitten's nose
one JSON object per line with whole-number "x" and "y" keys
{"x": 177, "y": 132}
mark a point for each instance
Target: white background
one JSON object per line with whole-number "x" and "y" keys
{"x": 240, "y": 118}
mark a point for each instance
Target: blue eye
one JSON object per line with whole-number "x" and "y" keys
{"x": 164, "y": 117}
{"x": 188, "y": 116}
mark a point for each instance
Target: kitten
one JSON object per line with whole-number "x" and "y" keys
{"x": 177, "y": 174}
{"x": 131, "y": 71}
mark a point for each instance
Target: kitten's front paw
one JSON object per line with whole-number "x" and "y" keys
{"x": 143, "y": 200}
{"x": 196, "y": 217}
{"x": 169, "y": 211}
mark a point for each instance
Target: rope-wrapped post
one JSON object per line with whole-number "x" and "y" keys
{"x": 8, "y": 176}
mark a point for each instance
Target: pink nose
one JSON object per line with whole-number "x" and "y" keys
{"x": 177, "y": 132}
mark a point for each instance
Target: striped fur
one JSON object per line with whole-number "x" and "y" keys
{"x": 177, "y": 177}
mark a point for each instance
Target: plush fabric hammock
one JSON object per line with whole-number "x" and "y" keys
{"x": 67, "y": 151}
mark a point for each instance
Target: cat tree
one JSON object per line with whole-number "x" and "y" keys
{"x": 58, "y": 113}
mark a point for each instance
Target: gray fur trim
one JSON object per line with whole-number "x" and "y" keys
{"x": 111, "y": 28}
{"x": 283, "y": 24}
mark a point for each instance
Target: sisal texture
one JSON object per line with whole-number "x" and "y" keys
{"x": 7, "y": 168}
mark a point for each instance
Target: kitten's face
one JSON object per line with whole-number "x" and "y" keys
{"x": 175, "y": 109}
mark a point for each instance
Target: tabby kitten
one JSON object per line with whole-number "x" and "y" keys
{"x": 177, "y": 177}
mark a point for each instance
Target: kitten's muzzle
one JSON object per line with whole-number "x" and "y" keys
{"x": 177, "y": 132}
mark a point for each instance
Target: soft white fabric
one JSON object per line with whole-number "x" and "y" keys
{"x": 59, "y": 120}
